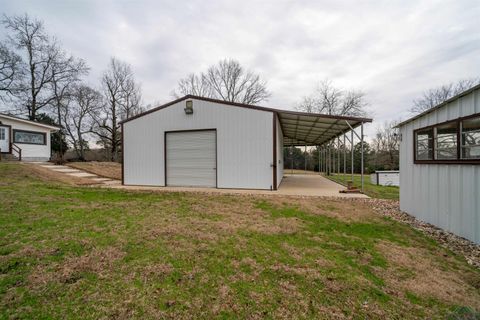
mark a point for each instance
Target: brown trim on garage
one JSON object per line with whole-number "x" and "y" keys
{"x": 247, "y": 106}
{"x": 123, "y": 156}
{"x": 459, "y": 160}
{"x": 10, "y": 137}
{"x": 190, "y": 130}
{"x": 472, "y": 161}
{"x": 274, "y": 134}
{"x": 216, "y": 160}
{"x": 30, "y": 131}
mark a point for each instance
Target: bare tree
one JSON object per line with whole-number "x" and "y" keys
{"x": 194, "y": 84}
{"x": 131, "y": 95}
{"x": 436, "y": 96}
{"x": 10, "y": 71}
{"x": 66, "y": 71}
{"x": 328, "y": 99}
{"x": 122, "y": 100}
{"x": 78, "y": 117}
{"x": 386, "y": 145}
{"x": 228, "y": 81}
{"x": 28, "y": 35}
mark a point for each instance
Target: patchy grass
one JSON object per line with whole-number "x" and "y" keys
{"x": 112, "y": 170}
{"x": 81, "y": 252}
{"x": 371, "y": 190}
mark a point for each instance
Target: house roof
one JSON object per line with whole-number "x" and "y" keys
{"x": 35, "y": 123}
{"x": 299, "y": 128}
{"x": 441, "y": 105}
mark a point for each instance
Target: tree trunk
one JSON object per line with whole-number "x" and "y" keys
{"x": 114, "y": 132}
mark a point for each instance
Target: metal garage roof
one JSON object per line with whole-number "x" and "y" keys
{"x": 299, "y": 128}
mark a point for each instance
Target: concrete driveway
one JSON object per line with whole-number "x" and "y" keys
{"x": 292, "y": 184}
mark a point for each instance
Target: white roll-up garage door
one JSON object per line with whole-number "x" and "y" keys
{"x": 191, "y": 158}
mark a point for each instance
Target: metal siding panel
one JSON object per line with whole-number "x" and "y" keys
{"x": 476, "y": 203}
{"x": 467, "y": 105}
{"x": 406, "y": 168}
{"x": 280, "y": 160}
{"x": 467, "y": 199}
{"x": 244, "y": 143}
{"x": 445, "y": 195}
{"x": 143, "y": 154}
{"x": 476, "y": 101}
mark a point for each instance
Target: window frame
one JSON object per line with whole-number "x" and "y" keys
{"x": 458, "y": 159}
{"x": 14, "y": 138}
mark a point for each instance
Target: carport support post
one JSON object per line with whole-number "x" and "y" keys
{"x": 344, "y": 159}
{"x": 305, "y": 158}
{"x": 319, "y": 159}
{"x": 338, "y": 155}
{"x": 291, "y": 160}
{"x": 352, "y": 152}
{"x": 361, "y": 135}
{"x": 324, "y": 159}
{"x": 328, "y": 158}
{"x": 333, "y": 155}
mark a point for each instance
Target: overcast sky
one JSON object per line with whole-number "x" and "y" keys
{"x": 392, "y": 50}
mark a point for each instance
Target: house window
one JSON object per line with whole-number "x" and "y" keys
{"x": 470, "y": 148}
{"x": 446, "y": 141}
{"x": 29, "y": 137}
{"x": 424, "y": 144}
{"x": 2, "y": 133}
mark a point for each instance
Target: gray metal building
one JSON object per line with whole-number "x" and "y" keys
{"x": 440, "y": 165}
{"x": 201, "y": 142}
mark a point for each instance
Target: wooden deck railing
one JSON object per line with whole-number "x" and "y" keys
{"x": 18, "y": 150}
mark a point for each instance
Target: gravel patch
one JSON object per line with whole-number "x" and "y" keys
{"x": 466, "y": 248}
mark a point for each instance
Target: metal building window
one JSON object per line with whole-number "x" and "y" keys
{"x": 451, "y": 142}
{"x": 424, "y": 144}
{"x": 446, "y": 141}
{"x": 470, "y": 135}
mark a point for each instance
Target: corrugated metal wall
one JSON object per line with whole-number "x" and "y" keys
{"x": 244, "y": 143}
{"x": 280, "y": 162}
{"x": 447, "y": 196}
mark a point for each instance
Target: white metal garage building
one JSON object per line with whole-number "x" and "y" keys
{"x": 440, "y": 165}
{"x": 203, "y": 142}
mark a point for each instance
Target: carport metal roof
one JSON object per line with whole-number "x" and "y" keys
{"x": 299, "y": 128}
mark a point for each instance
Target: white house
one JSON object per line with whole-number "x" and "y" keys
{"x": 24, "y": 139}
{"x": 202, "y": 142}
{"x": 440, "y": 165}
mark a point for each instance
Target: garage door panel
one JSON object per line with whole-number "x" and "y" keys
{"x": 191, "y": 158}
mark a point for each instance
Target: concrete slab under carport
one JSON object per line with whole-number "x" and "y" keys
{"x": 313, "y": 185}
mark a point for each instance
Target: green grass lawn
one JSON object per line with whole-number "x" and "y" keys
{"x": 371, "y": 190}
{"x": 70, "y": 252}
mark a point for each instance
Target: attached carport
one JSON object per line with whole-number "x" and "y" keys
{"x": 333, "y": 135}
